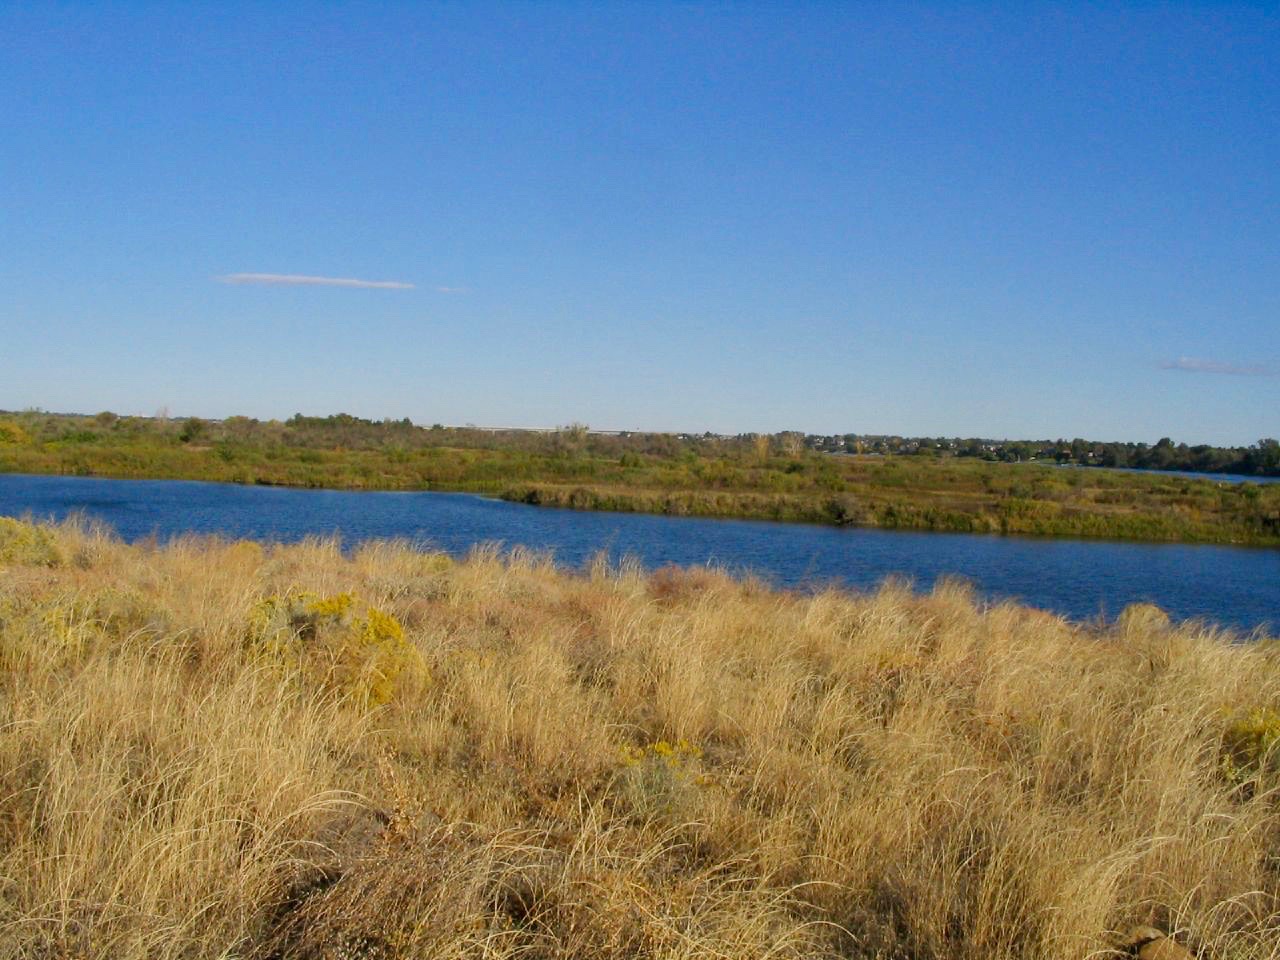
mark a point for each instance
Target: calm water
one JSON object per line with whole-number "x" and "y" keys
{"x": 1186, "y": 474}
{"x": 1236, "y": 587}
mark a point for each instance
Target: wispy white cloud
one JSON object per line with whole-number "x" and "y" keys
{"x": 1200, "y": 365}
{"x": 453, "y": 289}
{"x": 300, "y": 280}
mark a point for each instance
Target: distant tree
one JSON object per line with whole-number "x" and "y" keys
{"x": 791, "y": 442}
{"x": 239, "y": 428}
{"x": 10, "y": 432}
{"x": 760, "y": 446}
{"x": 1162, "y": 454}
{"x": 1266, "y": 456}
{"x": 192, "y": 429}
{"x": 570, "y": 440}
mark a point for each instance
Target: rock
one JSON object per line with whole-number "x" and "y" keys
{"x": 1148, "y": 943}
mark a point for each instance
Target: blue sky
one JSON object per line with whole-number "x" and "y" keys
{"x": 960, "y": 219}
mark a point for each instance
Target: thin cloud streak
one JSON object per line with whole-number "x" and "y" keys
{"x": 453, "y": 289}
{"x": 300, "y": 280}
{"x": 1199, "y": 365}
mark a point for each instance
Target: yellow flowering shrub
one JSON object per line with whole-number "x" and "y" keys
{"x": 1249, "y": 744}
{"x": 363, "y": 657}
{"x": 658, "y": 777}
{"x": 27, "y": 544}
{"x": 67, "y": 627}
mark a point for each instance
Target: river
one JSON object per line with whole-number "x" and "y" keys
{"x": 1235, "y": 587}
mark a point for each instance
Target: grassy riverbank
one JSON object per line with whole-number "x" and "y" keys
{"x": 965, "y": 498}
{"x": 219, "y": 750}
{"x": 653, "y": 473}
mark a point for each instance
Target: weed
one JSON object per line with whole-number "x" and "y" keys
{"x": 1249, "y": 745}
{"x": 360, "y": 658}
{"x": 27, "y": 544}
{"x": 658, "y": 778}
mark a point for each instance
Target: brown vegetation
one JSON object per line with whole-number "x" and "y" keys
{"x": 215, "y": 749}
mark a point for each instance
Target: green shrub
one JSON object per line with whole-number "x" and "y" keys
{"x": 844, "y": 509}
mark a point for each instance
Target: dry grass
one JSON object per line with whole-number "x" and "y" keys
{"x": 610, "y": 765}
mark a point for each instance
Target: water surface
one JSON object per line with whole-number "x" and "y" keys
{"x": 1219, "y": 478}
{"x": 1233, "y": 586}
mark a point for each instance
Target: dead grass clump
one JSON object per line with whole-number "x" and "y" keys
{"x": 1138, "y": 619}
{"x": 675, "y": 584}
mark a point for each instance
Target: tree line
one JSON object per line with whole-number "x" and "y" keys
{"x": 345, "y": 431}
{"x": 1258, "y": 459}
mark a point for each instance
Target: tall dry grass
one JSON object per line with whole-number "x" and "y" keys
{"x": 606, "y": 765}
